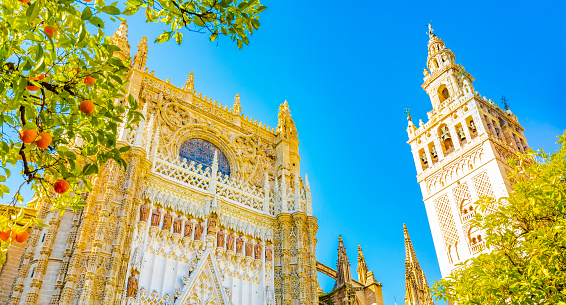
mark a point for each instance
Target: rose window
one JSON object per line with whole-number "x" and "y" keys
{"x": 202, "y": 152}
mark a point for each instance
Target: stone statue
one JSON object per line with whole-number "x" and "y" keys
{"x": 144, "y": 212}
{"x": 188, "y": 228}
{"x": 211, "y": 228}
{"x": 230, "y": 242}
{"x": 268, "y": 253}
{"x": 132, "y": 286}
{"x": 198, "y": 231}
{"x": 177, "y": 225}
{"x": 249, "y": 247}
{"x": 239, "y": 244}
{"x": 155, "y": 218}
{"x": 167, "y": 221}
{"x": 220, "y": 239}
{"x": 257, "y": 251}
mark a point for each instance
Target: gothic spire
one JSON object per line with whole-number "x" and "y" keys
{"x": 343, "y": 273}
{"x": 120, "y": 39}
{"x": 362, "y": 267}
{"x": 141, "y": 56}
{"x": 285, "y": 125}
{"x": 410, "y": 256}
{"x": 416, "y": 285}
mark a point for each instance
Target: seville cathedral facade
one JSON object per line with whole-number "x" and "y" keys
{"x": 460, "y": 154}
{"x": 211, "y": 209}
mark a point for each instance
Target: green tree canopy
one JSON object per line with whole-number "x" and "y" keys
{"x": 54, "y": 56}
{"x": 525, "y": 237}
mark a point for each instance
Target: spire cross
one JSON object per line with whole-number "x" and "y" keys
{"x": 504, "y": 100}
{"x": 408, "y": 113}
{"x": 430, "y": 31}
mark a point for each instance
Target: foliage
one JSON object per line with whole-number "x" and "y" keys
{"x": 53, "y": 56}
{"x": 526, "y": 238}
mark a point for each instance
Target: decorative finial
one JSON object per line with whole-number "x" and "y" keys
{"x": 430, "y": 31}
{"x": 504, "y": 100}
{"x": 237, "y": 106}
{"x": 190, "y": 83}
{"x": 408, "y": 113}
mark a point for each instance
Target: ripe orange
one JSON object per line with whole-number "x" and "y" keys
{"x": 61, "y": 186}
{"x": 5, "y": 235}
{"x": 49, "y": 31}
{"x": 24, "y": 1}
{"x": 89, "y": 80}
{"x": 21, "y": 237}
{"x": 32, "y": 88}
{"x": 87, "y": 107}
{"x": 45, "y": 140}
{"x": 28, "y": 136}
{"x": 40, "y": 77}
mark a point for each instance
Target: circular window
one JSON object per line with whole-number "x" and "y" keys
{"x": 202, "y": 152}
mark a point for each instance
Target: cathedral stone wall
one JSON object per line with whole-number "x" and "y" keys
{"x": 9, "y": 270}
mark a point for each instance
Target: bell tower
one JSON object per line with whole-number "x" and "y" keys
{"x": 460, "y": 154}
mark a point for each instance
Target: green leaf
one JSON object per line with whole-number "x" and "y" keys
{"x": 96, "y": 22}
{"x": 198, "y": 21}
{"x": 40, "y": 66}
{"x": 213, "y": 36}
{"x": 179, "y": 37}
{"x": 112, "y": 10}
{"x": 35, "y": 9}
{"x": 82, "y": 33}
{"x": 130, "y": 10}
{"x": 87, "y": 13}
{"x": 165, "y": 36}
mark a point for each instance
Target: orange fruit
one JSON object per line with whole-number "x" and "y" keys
{"x": 28, "y": 136}
{"x": 89, "y": 80}
{"x": 32, "y": 88}
{"x": 45, "y": 140}
{"x": 40, "y": 77}
{"x": 61, "y": 186}
{"x": 87, "y": 107}
{"x": 49, "y": 31}
{"x": 24, "y": 1}
{"x": 21, "y": 237}
{"x": 5, "y": 235}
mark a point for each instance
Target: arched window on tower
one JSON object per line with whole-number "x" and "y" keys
{"x": 202, "y": 152}
{"x": 435, "y": 62}
{"x": 443, "y": 93}
{"x": 445, "y": 139}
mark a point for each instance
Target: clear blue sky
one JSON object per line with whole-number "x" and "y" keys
{"x": 348, "y": 70}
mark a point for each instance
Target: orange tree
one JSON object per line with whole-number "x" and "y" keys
{"x": 526, "y": 238}
{"x": 62, "y": 90}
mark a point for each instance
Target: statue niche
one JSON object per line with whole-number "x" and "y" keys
{"x": 132, "y": 288}
{"x": 167, "y": 221}
{"x": 249, "y": 247}
{"x": 239, "y": 244}
{"x": 198, "y": 231}
{"x": 155, "y": 218}
{"x": 188, "y": 228}
{"x": 230, "y": 242}
{"x": 220, "y": 239}
{"x": 144, "y": 212}
{"x": 177, "y": 225}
